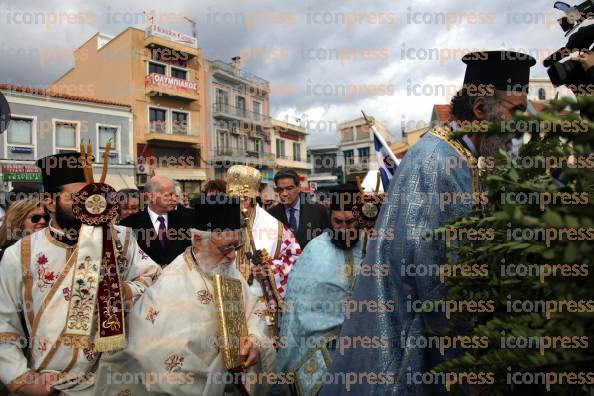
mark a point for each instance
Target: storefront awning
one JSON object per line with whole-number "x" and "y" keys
{"x": 181, "y": 174}
{"x": 117, "y": 180}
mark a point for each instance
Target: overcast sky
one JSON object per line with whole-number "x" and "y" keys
{"x": 325, "y": 60}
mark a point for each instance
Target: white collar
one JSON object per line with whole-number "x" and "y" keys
{"x": 54, "y": 229}
{"x": 470, "y": 145}
{"x": 154, "y": 216}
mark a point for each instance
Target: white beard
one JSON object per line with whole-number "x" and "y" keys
{"x": 210, "y": 268}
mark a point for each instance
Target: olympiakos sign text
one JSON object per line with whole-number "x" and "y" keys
{"x": 170, "y": 82}
{"x": 157, "y": 30}
{"x": 21, "y": 173}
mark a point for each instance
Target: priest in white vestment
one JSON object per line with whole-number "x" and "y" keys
{"x": 38, "y": 293}
{"x": 174, "y": 345}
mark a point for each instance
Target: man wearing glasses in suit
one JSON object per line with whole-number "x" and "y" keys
{"x": 306, "y": 219}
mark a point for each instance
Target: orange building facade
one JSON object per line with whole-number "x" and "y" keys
{"x": 160, "y": 75}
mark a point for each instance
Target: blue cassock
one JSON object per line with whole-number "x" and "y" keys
{"x": 318, "y": 286}
{"x": 412, "y": 211}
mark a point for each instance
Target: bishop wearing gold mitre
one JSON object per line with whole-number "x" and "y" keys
{"x": 64, "y": 290}
{"x": 195, "y": 331}
{"x": 270, "y": 251}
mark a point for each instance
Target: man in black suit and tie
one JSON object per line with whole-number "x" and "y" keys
{"x": 306, "y": 220}
{"x": 162, "y": 230}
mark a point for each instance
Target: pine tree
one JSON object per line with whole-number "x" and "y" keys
{"x": 518, "y": 215}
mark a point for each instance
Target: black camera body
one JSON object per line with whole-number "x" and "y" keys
{"x": 578, "y": 25}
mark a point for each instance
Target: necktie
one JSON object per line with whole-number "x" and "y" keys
{"x": 292, "y": 220}
{"x": 162, "y": 230}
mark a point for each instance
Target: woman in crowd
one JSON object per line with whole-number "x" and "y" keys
{"x": 22, "y": 218}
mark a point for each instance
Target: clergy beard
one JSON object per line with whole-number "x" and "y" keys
{"x": 491, "y": 144}
{"x": 209, "y": 267}
{"x": 345, "y": 239}
{"x": 66, "y": 220}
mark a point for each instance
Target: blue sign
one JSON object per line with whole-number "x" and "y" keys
{"x": 21, "y": 150}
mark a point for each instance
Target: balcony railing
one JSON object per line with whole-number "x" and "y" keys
{"x": 237, "y": 72}
{"x": 241, "y": 155}
{"x": 353, "y": 166}
{"x": 240, "y": 112}
{"x": 158, "y": 126}
{"x": 176, "y": 129}
{"x": 180, "y": 128}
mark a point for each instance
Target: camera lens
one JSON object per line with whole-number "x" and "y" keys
{"x": 565, "y": 72}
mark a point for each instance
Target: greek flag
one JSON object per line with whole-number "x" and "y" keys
{"x": 386, "y": 160}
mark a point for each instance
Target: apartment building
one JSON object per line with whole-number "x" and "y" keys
{"x": 356, "y": 147}
{"x": 290, "y": 148}
{"x": 159, "y": 73}
{"x": 237, "y": 119}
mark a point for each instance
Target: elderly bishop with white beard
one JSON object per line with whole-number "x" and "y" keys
{"x": 195, "y": 332}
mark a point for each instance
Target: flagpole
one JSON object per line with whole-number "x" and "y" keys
{"x": 371, "y": 124}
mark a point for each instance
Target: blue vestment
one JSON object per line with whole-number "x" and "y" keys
{"x": 435, "y": 166}
{"x": 318, "y": 286}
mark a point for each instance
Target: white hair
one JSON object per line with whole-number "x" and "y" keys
{"x": 213, "y": 268}
{"x": 205, "y": 235}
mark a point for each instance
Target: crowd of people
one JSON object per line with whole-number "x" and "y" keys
{"x": 230, "y": 293}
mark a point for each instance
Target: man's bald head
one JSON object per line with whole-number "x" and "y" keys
{"x": 155, "y": 183}
{"x": 161, "y": 194}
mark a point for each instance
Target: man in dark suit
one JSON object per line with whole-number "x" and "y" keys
{"x": 161, "y": 230}
{"x": 307, "y": 220}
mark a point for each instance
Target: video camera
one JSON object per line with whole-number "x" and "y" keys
{"x": 578, "y": 25}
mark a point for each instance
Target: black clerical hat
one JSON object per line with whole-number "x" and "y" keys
{"x": 4, "y": 113}
{"x": 60, "y": 169}
{"x": 503, "y": 70}
{"x": 342, "y": 197}
{"x": 216, "y": 212}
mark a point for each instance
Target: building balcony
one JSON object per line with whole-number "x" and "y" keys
{"x": 221, "y": 110}
{"x": 287, "y": 129}
{"x": 152, "y": 40}
{"x": 289, "y": 162}
{"x": 159, "y": 84}
{"x": 356, "y": 166}
{"x": 323, "y": 178}
{"x": 235, "y": 74}
{"x": 157, "y": 135}
{"x": 181, "y": 174}
{"x": 243, "y": 156}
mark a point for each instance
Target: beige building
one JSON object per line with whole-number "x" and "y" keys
{"x": 159, "y": 73}
{"x": 237, "y": 119}
{"x": 410, "y": 137}
{"x": 289, "y": 147}
{"x": 356, "y": 149}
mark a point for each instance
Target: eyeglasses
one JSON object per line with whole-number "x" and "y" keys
{"x": 287, "y": 189}
{"x": 225, "y": 250}
{"x": 37, "y": 218}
